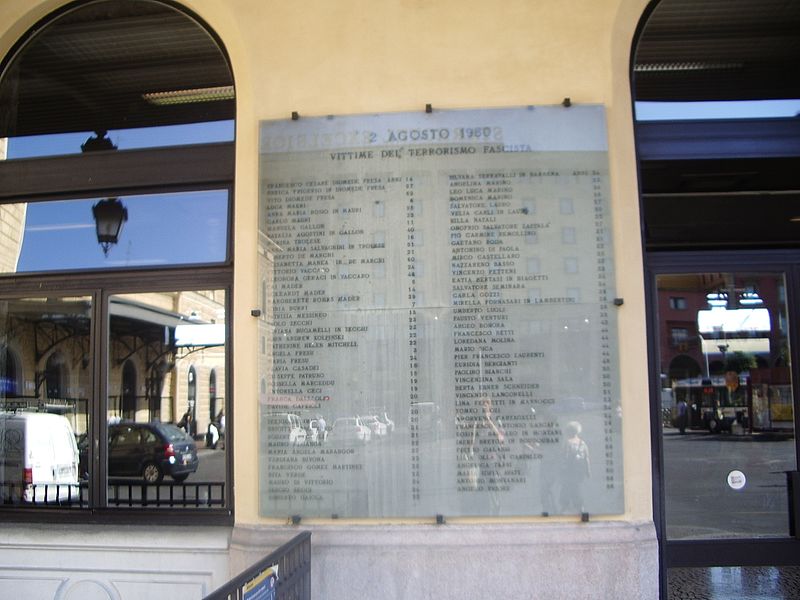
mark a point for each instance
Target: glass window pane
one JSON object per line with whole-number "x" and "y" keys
{"x": 45, "y": 383}
{"x": 156, "y": 230}
{"x": 165, "y": 449}
{"x": 727, "y": 405}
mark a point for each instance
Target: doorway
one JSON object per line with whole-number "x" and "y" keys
{"x": 720, "y": 215}
{"x": 724, "y": 353}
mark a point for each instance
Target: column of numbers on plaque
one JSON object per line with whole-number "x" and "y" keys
{"x": 604, "y": 329}
{"x": 413, "y": 357}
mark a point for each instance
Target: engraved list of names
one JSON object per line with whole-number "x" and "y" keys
{"x": 438, "y": 333}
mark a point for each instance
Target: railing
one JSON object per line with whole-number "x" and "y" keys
{"x": 62, "y": 495}
{"x": 121, "y": 492}
{"x": 294, "y": 574}
{"x": 197, "y": 494}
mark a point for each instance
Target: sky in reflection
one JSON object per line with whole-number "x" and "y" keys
{"x": 162, "y": 229}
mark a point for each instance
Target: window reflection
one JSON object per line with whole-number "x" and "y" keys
{"x": 48, "y": 347}
{"x": 161, "y": 229}
{"x": 116, "y": 74}
{"x": 165, "y": 446}
{"x": 164, "y": 430}
{"x": 727, "y": 408}
{"x": 45, "y": 375}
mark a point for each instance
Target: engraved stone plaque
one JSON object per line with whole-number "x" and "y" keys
{"x": 437, "y": 330}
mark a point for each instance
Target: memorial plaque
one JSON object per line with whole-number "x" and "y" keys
{"x": 438, "y": 332}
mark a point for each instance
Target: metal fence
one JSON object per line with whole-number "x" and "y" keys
{"x": 294, "y": 574}
{"x": 191, "y": 494}
{"x": 121, "y": 492}
{"x": 63, "y": 495}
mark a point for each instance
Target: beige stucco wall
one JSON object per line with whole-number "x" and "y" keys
{"x": 321, "y": 57}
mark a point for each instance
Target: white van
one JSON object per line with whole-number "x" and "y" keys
{"x": 38, "y": 459}
{"x": 286, "y": 428}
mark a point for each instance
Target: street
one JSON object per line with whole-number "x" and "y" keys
{"x": 204, "y": 488}
{"x": 700, "y": 503}
{"x": 212, "y": 466}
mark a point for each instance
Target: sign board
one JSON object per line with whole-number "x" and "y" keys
{"x": 261, "y": 587}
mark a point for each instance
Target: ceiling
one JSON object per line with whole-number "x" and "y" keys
{"x": 88, "y": 70}
{"x": 693, "y": 50}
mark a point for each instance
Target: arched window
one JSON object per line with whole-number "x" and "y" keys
{"x": 128, "y": 390}
{"x": 116, "y": 66}
{"x": 117, "y": 119}
{"x": 56, "y": 377}
{"x": 9, "y": 373}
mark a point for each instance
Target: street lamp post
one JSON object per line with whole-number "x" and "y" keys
{"x": 705, "y": 354}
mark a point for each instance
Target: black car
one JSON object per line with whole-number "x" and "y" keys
{"x": 150, "y": 451}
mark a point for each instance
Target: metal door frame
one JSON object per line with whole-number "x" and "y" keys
{"x": 710, "y": 553}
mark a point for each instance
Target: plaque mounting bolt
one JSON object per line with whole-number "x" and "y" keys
{"x": 440, "y": 520}
{"x": 428, "y": 108}
{"x": 295, "y": 115}
{"x": 256, "y": 312}
{"x": 295, "y": 519}
{"x": 566, "y": 103}
{"x": 618, "y": 301}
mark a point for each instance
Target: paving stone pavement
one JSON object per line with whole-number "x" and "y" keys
{"x": 734, "y": 583}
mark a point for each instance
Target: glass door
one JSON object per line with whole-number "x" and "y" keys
{"x": 727, "y": 414}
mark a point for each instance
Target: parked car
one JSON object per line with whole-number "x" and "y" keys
{"x": 150, "y": 451}
{"x": 376, "y": 427}
{"x": 286, "y": 427}
{"x": 349, "y": 430}
{"x": 38, "y": 458}
{"x": 383, "y": 417}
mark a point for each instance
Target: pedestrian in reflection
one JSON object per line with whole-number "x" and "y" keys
{"x": 322, "y": 432}
{"x": 488, "y": 423}
{"x": 549, "y": 468}
{"x": 488, "y": 445}
{"x": 683, "y": 415}
{"x": 216, "y": 431}
{"x": 186, "y": 422}
{"x": 576, "y": 469}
